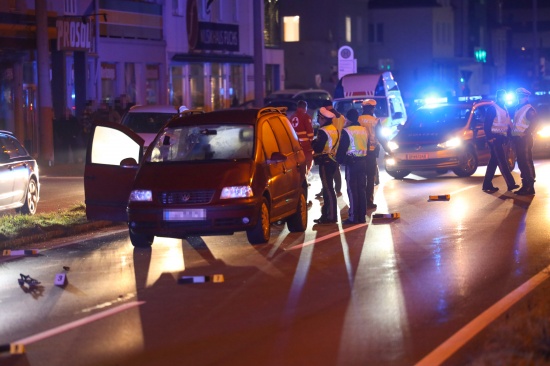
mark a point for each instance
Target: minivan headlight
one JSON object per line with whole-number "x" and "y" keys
{"x": 544, "y": 132}
{"x": 236, "y": 192}
{"x": 141, "y": 195}
{"x": 451, "y": 143}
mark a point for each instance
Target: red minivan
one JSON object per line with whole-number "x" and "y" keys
{"x": 210, "y": 173}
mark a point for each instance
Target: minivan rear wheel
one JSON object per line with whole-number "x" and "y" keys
{"x": 261, "y": 232}
{"x": 141, "y": 240}
{"x": 297, "y": 222}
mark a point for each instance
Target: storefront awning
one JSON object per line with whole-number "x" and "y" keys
{"x": 213, "y": 57}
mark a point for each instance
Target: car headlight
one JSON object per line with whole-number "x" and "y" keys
{"x": 544, "y": 132}
{"x": 236, "y": 192}
{"x": 141, "y": 195}
{"x": 390, "y": 161}
{"x": 393, "y": 146}
{"x": 386, "y": 131}
{"x": 450, "y": 144}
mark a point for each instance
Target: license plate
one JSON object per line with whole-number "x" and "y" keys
{"x": 194, "y": 214}
{"x": 417, "y": 156}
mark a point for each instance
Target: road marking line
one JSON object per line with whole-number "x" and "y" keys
{"x": 76, "y": 324}
{"x": 460, "y": 338}
{"x": 326, "y": 237}
{"x": 463, "y": 189}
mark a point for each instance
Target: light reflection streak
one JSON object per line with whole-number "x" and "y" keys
{"x": 369, "y": 327}
{"x": 166, "y": 257}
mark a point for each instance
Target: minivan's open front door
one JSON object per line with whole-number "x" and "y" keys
{"x": 107, "y": 183}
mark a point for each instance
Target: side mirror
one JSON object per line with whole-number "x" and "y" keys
{"x": 129, "y": 163}
{"x": 277, "y": 157}
{"x": 4, "y": 157}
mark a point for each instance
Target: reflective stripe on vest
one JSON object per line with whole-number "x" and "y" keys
{"x": 358, "y": 140}
{"x": 520, "y": 121}
{"x": 369, "y": 122}
{"x": 501, "y": 123}
{"x": 332, "y": 134}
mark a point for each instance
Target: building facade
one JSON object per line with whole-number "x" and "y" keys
{"x": 197, "y": 53}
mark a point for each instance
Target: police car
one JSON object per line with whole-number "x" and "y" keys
{"x": 443, "y": 135}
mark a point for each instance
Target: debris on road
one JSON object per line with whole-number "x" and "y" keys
{"x": 394, "y": 215}
{"x": 441, "y": 197}
{"x": 8, "y": 252}
{"x": 28, "y": 280}
{"x": 217, "y": 278}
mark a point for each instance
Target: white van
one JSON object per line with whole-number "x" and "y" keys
{"x": 353, "y": 89}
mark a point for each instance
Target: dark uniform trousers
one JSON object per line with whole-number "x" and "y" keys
{"x": 356, "y": 180}
{"x": 524, "y": 152}
{"x": 326, "y": 173}
{"x": 371, "y": 171}
{"x": 498, "y": 158}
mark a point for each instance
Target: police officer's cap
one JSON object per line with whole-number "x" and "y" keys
{"x": 369, "y": 102}
{"x": 326, "y": 113}
{"x": 523, "y": 92}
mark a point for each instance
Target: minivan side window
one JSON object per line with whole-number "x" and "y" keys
{"x": 282, "y": 136}
{"x": 268, "y": 141}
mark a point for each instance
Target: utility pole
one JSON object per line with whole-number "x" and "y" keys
{"x": 45, "y": 109}
{"x": 258, "y": 53}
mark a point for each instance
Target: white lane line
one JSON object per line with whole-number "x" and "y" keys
{"x": 77, "y": 323}
{"x": 460, "y": 338}
{"x": 463, "y": 189}
{"x": 323, "y": 238}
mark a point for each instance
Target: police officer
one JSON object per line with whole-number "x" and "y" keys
{"x": 301, "y": 121}
{"x": 497, "y": 126}
{"x": 338, "y": 121}
{"x": 525, "y": 118}
{"x": 374, "y": 132}
{"x": 352, "y": 152}
{"x": 324, "y": 147}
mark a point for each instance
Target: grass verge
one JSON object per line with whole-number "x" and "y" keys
{"x": 15, "y": 228}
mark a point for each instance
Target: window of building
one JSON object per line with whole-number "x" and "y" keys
{"x": 359, "y": 30}
{"x": 151, "y": 84}
{"x": 70, "y": 7}
{"x": 178, "y": 8}
{"x": 130, "y": 81}
{"x": 196, "y": 84}
{"x": 217, "y": 82}
{"x": 108, "y": 79}
{"x": 291, "y": 29}
{"x": 348, "y": 29}
{"x": 272, "y": 30}
{"x": 376, "y": 32}
{"x": 236, "y": 84}
{"x": 176, "y": 80}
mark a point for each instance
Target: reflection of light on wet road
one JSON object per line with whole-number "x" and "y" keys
{"x": 375, "y": 321}
{"x": 166, "y": 257}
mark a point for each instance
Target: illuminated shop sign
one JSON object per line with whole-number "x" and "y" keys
{"x": 74, "y": 35}
{"x": 217, "y": 37}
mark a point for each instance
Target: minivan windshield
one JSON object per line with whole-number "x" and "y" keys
{"x": 439, "y": 118}
{"x": 203, "y": 142}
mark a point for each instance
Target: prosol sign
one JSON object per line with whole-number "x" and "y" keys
{"x": 73, "y": 35}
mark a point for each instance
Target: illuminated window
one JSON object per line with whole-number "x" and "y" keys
{"x": 348, "y": 29}
{"x": 70, "y": 7}
{"x": 292, "y": 29}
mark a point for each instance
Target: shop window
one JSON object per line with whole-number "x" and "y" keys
{"x": 217, "y": 97}
{"x": 108, "y": 81}
{"x": 151, "y": 84}
{"x": 196, "y": 85}
{"x": 130, "y": 81}
{"x": 176, "y": 79}
{"x": 236, "y": 85}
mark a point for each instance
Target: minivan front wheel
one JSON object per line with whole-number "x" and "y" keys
{"x": 141, "y": 240}
{"x": 31, "y": 199}
{"x": 297, "y": 222}
{"x": 261, "y": 232}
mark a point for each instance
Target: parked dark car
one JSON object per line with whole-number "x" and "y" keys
{"x": 19, "y": 179}
{"x": 210, "y": 173}
{"x": 443, "y": 136}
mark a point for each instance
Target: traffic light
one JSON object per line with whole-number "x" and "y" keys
{"x": 480, "y": 54}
